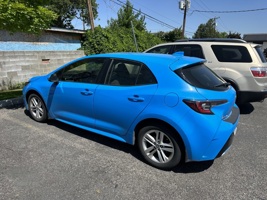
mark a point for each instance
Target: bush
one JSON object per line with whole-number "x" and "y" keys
{"x": 105, "y": 40}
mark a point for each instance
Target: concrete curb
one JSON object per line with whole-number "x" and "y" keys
{"x": 12, "y": 103}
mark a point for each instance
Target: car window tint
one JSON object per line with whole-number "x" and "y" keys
{"x": 129, "y": 73}
{"x": 145, "y": 77}
{"x": 190, "y": 50}
{"x": 261, "y": 54}
{"x": 202, "y": 77}
{"x": 161, "y": 49}
{"x": 228, "y": 53}
{"x": 123, "y": 72}
{"x": 84, "y": 71}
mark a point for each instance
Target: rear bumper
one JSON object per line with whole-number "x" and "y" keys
{"x": 227, "y": 145}
{"x": 248, "y": 96}
{"x": 220, "y": 140}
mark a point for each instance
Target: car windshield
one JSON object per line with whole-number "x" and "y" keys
{"x": 202, "y": 77}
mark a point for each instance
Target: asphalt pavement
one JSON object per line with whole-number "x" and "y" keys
{"x": 56, "y": 161}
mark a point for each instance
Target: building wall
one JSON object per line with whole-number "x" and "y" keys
{"x": 18, "y": 66}
{"x": 48, "y": 40}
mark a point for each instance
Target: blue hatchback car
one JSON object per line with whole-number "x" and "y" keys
{"x": 172, "y": 107}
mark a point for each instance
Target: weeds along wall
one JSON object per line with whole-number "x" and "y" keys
{"x": 16, "y": 67}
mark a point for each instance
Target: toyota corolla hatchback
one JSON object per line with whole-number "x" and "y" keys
{"x": 172, "y": 107}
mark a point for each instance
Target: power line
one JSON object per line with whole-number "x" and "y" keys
{"x": 148, "y": 16}
{"x": 155, "y": 12}
{"x": 233, "y": 11}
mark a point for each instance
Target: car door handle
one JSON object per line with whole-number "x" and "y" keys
{"x": 86, "y": 92}
{"x": 136, "y": 98}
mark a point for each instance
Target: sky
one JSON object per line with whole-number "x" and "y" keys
{"x": 169, "y": 16}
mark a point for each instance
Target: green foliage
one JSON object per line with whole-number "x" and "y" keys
{"x": 126, "y": 16}
{"x": 234, "y": 35}
{"x": 170, "y": 36}
{"x": 104, "y": 40}
{"x": 24, "y": 16}
{"x": 118, "y": 36}
{"x": 208, "y": 30}
{"x": 67, "y": 10}
{"x": 10, "y": 94}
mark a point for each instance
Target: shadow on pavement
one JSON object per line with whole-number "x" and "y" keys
{"x": 246, "y": 109}
{"x": 15, "y": 103}
{"x": 191, "y": 167}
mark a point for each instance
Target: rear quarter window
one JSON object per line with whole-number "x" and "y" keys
{"x": 165, "y": 49}
{"x": 191, "y": 50}
{"x": 261, "y": 54}
{"x": 231, "y": 53}
{"x": 202, "y": 77}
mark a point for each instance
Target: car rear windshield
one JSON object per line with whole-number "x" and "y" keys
{"x": 202, "y": 77}
{"x": 231, "y": 53}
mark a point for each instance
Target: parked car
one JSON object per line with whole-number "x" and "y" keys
{"x": 241, "y": 64}
{"x": 172, "y": 107}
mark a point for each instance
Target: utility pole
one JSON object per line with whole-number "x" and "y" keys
{"x": 215, "y": 24}
{"x": 90, "y": 15}
{"x": 184, "y": 5}
{"x": 134, "y": 37}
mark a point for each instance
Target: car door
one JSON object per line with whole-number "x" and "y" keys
{"x": 128, "y": 90}
{"x": 71, "y": 98}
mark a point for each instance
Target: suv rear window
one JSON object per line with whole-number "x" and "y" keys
{"x": 202, "y": 77}
{"x": 231, "y": 53}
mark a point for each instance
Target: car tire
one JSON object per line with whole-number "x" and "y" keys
{"x": 159, "y": 147}
{"x": 37, "y": 108}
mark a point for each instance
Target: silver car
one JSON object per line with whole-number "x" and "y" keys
{"x": 241, "y": 64}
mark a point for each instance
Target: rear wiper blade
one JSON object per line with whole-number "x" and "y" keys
{"x": 226, "y": 84}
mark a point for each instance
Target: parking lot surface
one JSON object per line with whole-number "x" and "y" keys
{"x": 56, "y": 161}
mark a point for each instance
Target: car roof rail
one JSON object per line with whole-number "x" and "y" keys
{"x": 234, "y": 40}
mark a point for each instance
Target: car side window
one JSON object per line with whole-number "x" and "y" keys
{"x": 83, "y": 71}
{"x": 128, "y": 73}
{"x": 145, "y": 77}
{"x": 231, "y": 53}
{"x": 166, "y": 49}
{"x": 190, "y": 50}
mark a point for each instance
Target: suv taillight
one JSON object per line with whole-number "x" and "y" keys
{"x": 259, "y": 71}
{"x": 203, "y": 107}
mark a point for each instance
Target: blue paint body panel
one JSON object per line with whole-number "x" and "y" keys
{"x": 108, "y": 111}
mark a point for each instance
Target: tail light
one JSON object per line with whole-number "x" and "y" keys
{"x": 203, "y": 107}
{"x": 259, "y": 71}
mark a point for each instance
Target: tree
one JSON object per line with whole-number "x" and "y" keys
{"x": 170, "y": 36}
{"x": 208, "y": 30}
{"x": 27, "y": 16}
{"x": 126, "y": 16}
{"x": 118, "y": 36}
{"x": 68, "y": 10}
{"x": 104, "y": 40}
{"x": 234, "y": 35}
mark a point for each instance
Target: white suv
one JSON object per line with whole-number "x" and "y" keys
{"x": 241, "y": 64}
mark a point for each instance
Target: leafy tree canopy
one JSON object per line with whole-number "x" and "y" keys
{"x": 126, "y": 15}
{"x": 27, "y": 16}
{"x": 104, "y": 40}
{"x": 234, "y": 35}
{"x": 208, "y": 30}
{"x": 67, "y": 10}
{"x": 170, "y": 36}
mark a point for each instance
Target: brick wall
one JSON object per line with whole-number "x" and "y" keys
{"x": 18, "y": 66}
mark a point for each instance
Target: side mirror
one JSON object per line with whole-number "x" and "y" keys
{"x": 53, "y": 78}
